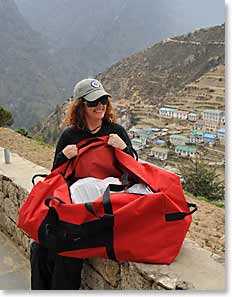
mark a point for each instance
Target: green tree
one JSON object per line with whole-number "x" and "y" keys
{"x": 23, "y": 131}
{"x": 6, "y": 118}
{"x": 201, "y": 179}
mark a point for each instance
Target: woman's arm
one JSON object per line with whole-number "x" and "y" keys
{"x": 125, "y": 137}
{"x": 59, "y": 157}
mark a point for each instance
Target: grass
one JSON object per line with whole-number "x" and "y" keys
{"x": 218, "y": 203}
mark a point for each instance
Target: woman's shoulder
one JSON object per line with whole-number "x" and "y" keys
{"x": 69, "y": 131}
{"x": 116, "y": 127}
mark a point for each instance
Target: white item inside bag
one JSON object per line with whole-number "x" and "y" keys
{"x": 90, "y": 188}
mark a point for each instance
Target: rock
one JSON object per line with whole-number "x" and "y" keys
{"x": 167, "y": 282}
{"x": 110, "y": 270}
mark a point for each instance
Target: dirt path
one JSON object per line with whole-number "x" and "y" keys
{"x": 207, "y": 228}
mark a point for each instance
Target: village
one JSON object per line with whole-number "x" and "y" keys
{"x": 208, "y": 131}
{"x": 188, "y": 125}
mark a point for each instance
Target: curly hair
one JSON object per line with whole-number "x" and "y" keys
{"x": 75, "y": 115}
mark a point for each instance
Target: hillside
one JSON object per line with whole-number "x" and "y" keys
{"x": 28, "y": 84}
{"x": 205, "y": 92}
{"x": 50, "y": 128}
{"x": 44, "y": 50}
{"x": 160, "y": 71}
{"x": 112, "y": 29}
{"x": 144, "y": 81}
{"x": 208, "y": 226}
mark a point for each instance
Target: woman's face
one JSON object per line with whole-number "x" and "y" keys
{"x": 95, "y": 113}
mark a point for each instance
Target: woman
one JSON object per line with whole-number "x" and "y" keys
{"x": 90, "y": 115}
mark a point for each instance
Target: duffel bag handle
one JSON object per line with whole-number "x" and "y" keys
{"x": 53, "y": 198}
{"x": 37, "y": 175}
{"x": 180, "y": 215}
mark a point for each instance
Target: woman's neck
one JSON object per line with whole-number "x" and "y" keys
{"x": 94, "y": 126}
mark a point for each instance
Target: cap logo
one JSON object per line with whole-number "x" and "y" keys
{"x": 95, "y": 84}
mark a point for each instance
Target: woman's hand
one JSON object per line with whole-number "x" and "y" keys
{"x": 70, "y": 151}
{"x": 116, "y": 141}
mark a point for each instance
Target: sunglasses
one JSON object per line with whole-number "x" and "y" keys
{"x": 103, "y": 100}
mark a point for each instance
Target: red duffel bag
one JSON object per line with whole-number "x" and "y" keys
{"x": 120, "y": 225}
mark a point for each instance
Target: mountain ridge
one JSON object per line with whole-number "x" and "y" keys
{"x": 90, "y": 37}
{"x": 153, "y": 76}
{"x": 39, "y": 70}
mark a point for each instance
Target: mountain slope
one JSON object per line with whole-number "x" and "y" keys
{"x": 27, "y": 86}
{"x": 163, "y": 69}
{"x": 90, "y": 35}
{"x": 152, "y": 77}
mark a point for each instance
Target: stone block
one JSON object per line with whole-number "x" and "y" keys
{"x": 92, "y": 279}
{"x": 15, "y": 197}
{"x": 8, "y": 226}
{"x": 5, "y": 184}
{"x": 11, "y": 191}
{"x": 3, "y": 219}
{"x": 2, "y": 196}
{"x": 110, "y": 270}
{"x": 10, "y": 209}
{"x": 131, "y": 279}
{"x": 26, "y": 243}
{"x": 22, "y": 196}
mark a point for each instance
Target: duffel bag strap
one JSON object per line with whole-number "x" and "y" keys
{"x": 109, "y": 212}
{"x": 115, "y": 188}
{"x": 180, "y": 215}
{"x": 37, "y": 175}
{"x": 106, "y": 197}
{"x": 89, "y": 207}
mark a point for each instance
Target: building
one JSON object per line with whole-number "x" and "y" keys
{"x": 134, "y": 132}
{"x": 142, "y": 134}
{"x": 221, "y": 135}
{"x": 204, "y": 125}
{"x": 167, "y": 112}
{"x": 138, "y": 143}
{"x": 178, "y": 139}
{"x": 151, "y": 139}
{"x": 159, "y": 153}
{"x": 196, "y": 136}
{"x": 160, "y": 142}
{"x": 185, "y": 151}
{"x": 193, "y": 116}
{"x": 209, "y": 138}
{"x": 213, "y": 115}
{"x": 181, "y": 115}
{"x": 223, "y": 119}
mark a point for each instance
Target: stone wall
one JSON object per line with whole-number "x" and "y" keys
{"x": 11, "y": 197}
{"x": 194, "y": 268}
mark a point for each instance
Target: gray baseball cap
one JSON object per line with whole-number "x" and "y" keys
{"x": 90, "y": 89}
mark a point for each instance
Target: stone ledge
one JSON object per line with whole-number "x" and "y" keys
{"x": 193, "y": 269}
